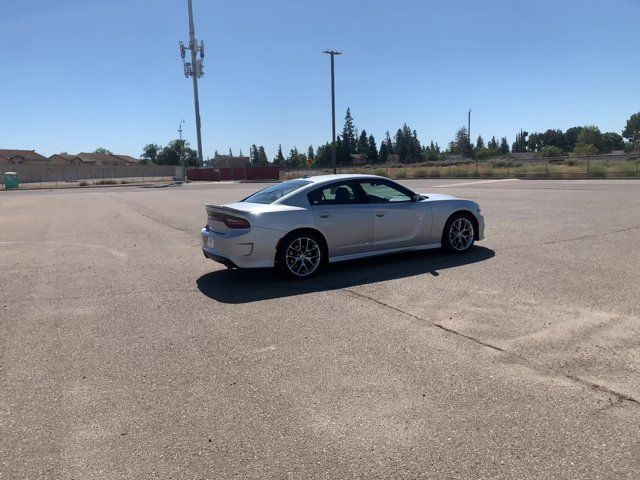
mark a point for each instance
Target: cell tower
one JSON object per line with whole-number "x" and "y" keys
{"x": 194, "y": 69}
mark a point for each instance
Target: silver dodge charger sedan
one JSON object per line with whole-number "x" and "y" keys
{"x": 300, "y": 225}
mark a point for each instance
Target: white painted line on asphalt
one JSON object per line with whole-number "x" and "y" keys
{"x": 266, "y": 349}
{"x": 476, "y": 183}
{"x": 223, "y": 182}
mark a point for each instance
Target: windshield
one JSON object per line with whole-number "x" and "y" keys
{"x": 276, "y": 192}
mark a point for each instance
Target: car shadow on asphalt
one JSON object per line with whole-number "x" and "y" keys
{"x": 244, "y": 286}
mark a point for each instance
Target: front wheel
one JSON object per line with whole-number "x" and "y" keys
{"x": 459, "y": 233}
{"x": 300, "y": 255}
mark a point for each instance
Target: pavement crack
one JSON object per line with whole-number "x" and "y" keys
{"x": 566, "y": 240}
{"x": 151, "y": 217}
{"x": 517, "y": 358}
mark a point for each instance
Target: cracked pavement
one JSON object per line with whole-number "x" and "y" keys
{"x": 125, "y": 354}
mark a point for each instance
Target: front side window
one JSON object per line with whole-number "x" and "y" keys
{"x": 335, "y": 194}
{"x": 276, "y": 192}
{"x": 384, "y": 192}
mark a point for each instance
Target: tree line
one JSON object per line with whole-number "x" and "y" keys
{"x": 353, "y": 145}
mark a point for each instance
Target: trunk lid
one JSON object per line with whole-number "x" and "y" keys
{"x": 219, "y": 216}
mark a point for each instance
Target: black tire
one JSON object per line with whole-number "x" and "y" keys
{"x": 459, "y": 233}
{"x": 300, "y": 255}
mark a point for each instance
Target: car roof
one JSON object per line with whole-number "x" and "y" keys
{"x": 340, "y": 176}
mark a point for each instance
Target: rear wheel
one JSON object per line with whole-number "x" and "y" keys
{"x": 300, "y": 255}
{"x": 459, "y": 233}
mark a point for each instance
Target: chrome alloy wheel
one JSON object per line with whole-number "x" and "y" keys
{"x": 461, "y": 234}
{"x": 303, "y": 256}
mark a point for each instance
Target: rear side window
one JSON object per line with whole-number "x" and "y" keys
{"x": 276, "y": 192}
{"x": 335, "y": 194}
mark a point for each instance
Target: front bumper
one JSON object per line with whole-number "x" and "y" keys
{"x": 255, "y": 248}
{"x": 480, "y": 226}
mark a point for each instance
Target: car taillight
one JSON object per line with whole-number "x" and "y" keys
{"x": 228, "y": 220}
{"x": 235, "y": 222}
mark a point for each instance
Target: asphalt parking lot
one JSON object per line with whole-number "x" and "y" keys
{"x": 124, "y": 353}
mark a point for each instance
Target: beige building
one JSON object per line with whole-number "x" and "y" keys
{"x": 106, "y": 159}
{"x": 20, "y": 157}
{"x": 64, "y": 159}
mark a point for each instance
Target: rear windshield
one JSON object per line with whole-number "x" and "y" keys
{"x": 276, "y": 192}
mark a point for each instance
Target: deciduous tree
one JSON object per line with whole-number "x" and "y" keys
{"x": 150, "y": 152}
{"x": 632, "y": 129}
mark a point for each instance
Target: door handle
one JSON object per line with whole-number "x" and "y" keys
{"x": 324, "y": 215}
{"x": 379, "y": 214}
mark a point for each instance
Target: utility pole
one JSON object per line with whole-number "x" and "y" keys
{"x": 194, "y": 69}
{"x": 333, "y": 109}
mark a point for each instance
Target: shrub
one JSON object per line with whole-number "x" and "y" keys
{"x": 379, "y": 171}
{"x": 83, "y": 183}
{"x": 498, "y": 163}
{"x": 550, "y": 151}
{"x": 597, "y": 170}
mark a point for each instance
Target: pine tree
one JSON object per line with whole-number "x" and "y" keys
{"x": 279, "y": 160}
{"x": 253, "y": 155}
{"x": 230, "y": 153}
{"x": 415, "y": 148}
{"x": 372, "y": 150}
{"x": 310, "y": 155}
{"x": 400, "y": 145}
{"x": 262, "y": 157}
{"x": 461, "y": 144}
{"x": 349, "y": 134}
{"x": 479, "y": 142}
{"x": 384, "y": 153}
{"x": 504, "y": 146}
{"x": 361, "y": 147}
{"x": 295, "y": 159}
{"x": 520, "y": 145}
{"x": 387, "y": 139}
{"x": 240, "y": 154}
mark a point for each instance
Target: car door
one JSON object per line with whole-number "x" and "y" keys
{"x": 344, "y": 217}
{"x": 399, "y": 221}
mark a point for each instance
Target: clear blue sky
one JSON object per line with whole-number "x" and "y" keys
{"x": 79, "y": 74}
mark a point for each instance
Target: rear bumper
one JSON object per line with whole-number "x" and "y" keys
{"x": 217, "y": 258}
{"x": 255, "y": 248}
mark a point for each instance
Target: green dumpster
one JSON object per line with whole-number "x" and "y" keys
{"x": 10, "y": 180}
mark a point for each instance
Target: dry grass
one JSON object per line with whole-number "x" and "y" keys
{"x": 570, "y": 168}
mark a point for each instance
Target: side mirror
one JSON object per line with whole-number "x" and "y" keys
{"x": 416, "y": 197}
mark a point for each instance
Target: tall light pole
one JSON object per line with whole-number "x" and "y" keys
{"x": 333, "y": 110}
{"x": 194, "y": 69}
